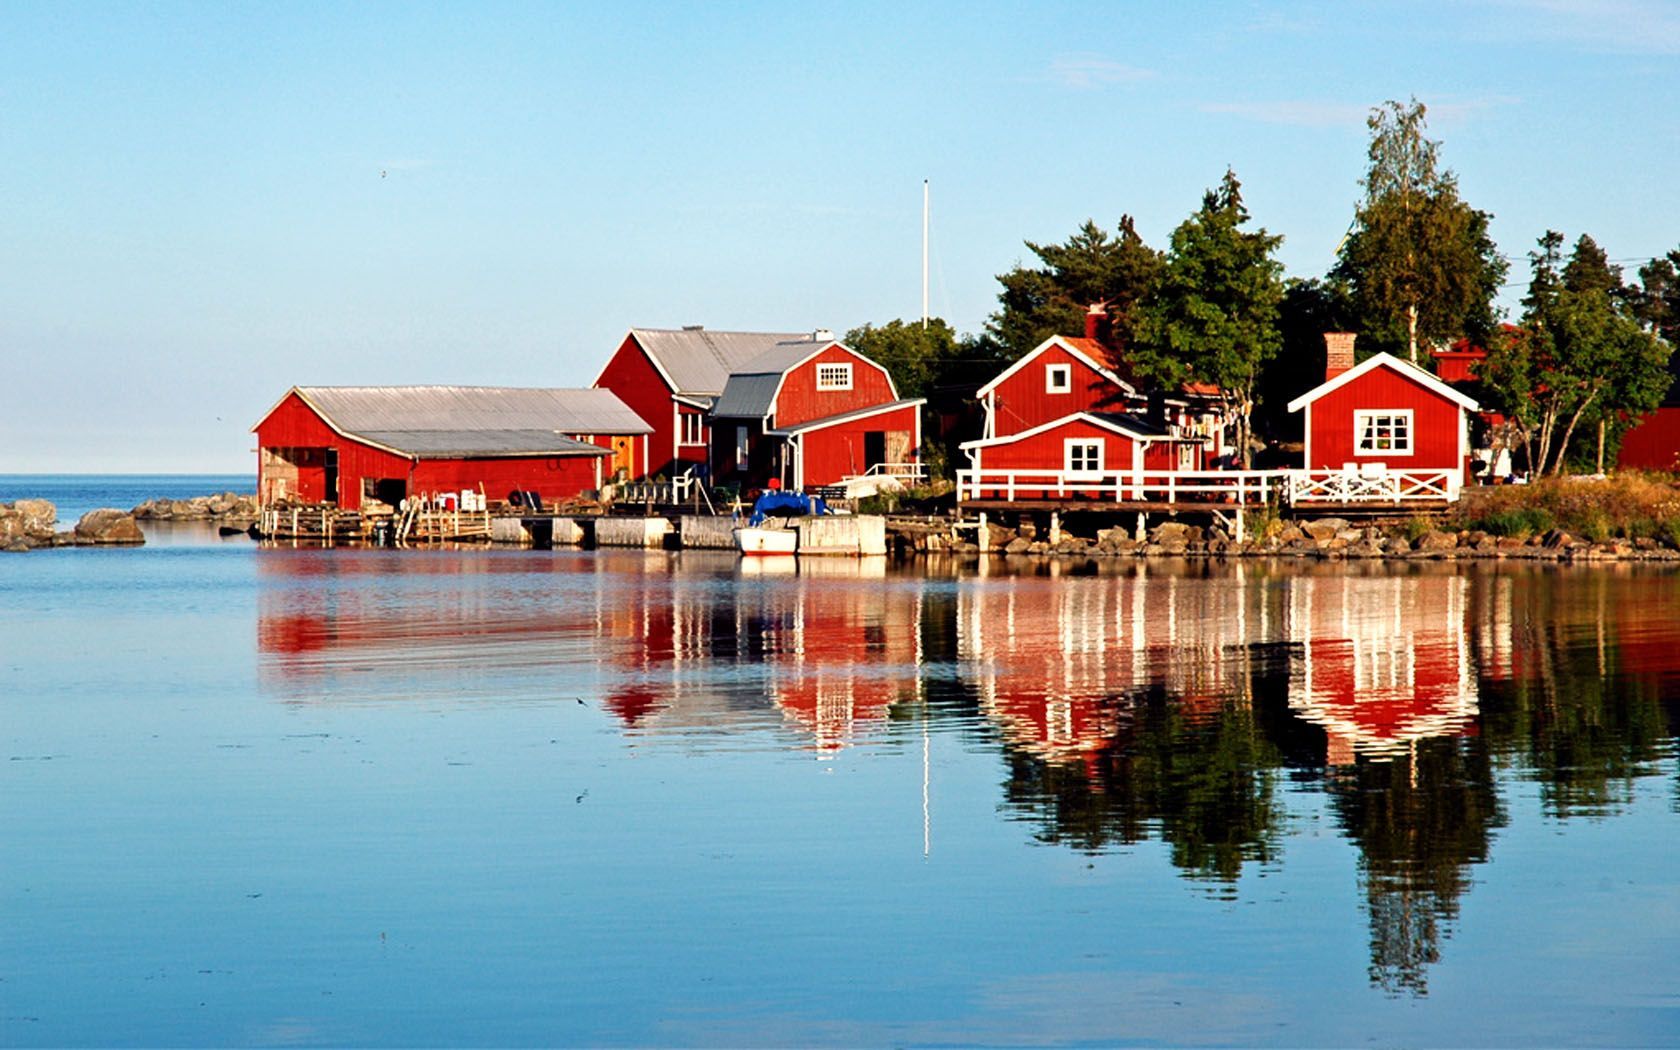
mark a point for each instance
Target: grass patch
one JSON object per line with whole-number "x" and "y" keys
{"x": 1630, "y": 505}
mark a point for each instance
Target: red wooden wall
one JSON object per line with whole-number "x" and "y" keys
{"x": 834, "y": 452}
{"x": 1654, "y": 444}
{"x": 1436, "y": 424}
{"x": 800, "y": 401}
{"x": 1047, "y": 450}
{"x": 1021, "y": 401}
{"x": 293, "y": 424}
{"x": 632, "y": 376}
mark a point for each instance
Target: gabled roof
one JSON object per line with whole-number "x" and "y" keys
{"x": 1129, "y": 426}
{"x": 1089, "y": 351}
{"x": 469, "y": 420}
{"x": 752, "y": 389}
{"x": 1385, "y": 360}
{"x": 847, "y": 417}
{"x": 697, "y": 362}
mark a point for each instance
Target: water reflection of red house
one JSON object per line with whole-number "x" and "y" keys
{"x": 1384, "y": 661}
{"x": 1055, "y": 660}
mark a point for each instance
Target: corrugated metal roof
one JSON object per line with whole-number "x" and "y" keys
{"x": 752, "y": 387}
{"x": 698, "y": 361}
{"x": 1140, "y": 427}
{"x": 469, "y": 444}
{"x": 363, "y": 409}
{"x": 747, "y": 396}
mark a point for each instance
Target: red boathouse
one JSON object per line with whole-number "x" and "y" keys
{"x": 341, "y": 445}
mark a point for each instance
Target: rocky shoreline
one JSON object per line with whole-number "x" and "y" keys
{"x": 1321, "y": 538}
{"x": 29, "y": 524}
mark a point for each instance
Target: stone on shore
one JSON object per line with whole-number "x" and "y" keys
{"x": 27, "y": 523}
{"x": 108, "y": 525}
{"x": 223, "y": 506}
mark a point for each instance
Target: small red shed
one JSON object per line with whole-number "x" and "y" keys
{"x": 811, "y": 412}
{"x": 341, "y": 445}
{"x": 671, "y": 377}
{"x": 1385, "y": 415}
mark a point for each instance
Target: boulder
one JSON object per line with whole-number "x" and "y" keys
{"x": 1173, "y": 530}
{"x": 28, "y": 522}
{"x": 1398, "y": 545}
{"x": 1290, "y": 534}
{"x": 1325, "y": 528}
{"x": 1437, "y": 540}
{"x": 1018, "y": 545}
{"x": 108, "y": 525}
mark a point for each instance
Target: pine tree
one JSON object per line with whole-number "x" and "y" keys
{"x": 1052, "y": 299}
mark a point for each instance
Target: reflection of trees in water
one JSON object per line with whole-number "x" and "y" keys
{"x": 1204, "y": 783}
{"x": 1419, "y": 823}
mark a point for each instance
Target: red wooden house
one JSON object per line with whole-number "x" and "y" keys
{"x": 1385, "y": 421}
{"x": 340, "y": 445}
{"x": 811, "y": 411}
{"x": 1089, "y": 454}
{"x": 671, "y": 377}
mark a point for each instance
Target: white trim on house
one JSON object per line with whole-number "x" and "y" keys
{"x": 1067, "y": 347}
{"x": 839, "y": 375}
{"x": 1080, "y": 448}
{"x": 1058, "y": 379}
{"x": 653, "y": 360}
{"x": 1064, "y": 420}
{"x": 1385, "y": 360}
{"x": 781, "y": 377}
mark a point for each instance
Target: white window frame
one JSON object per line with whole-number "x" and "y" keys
{"x": 743, "y": 448}
{"x": 694, "y": 421}
{"x": 1058, "y": 379}
{"x": 1364, "y": 418}
{"x": 1069, "y": 445}
{"x": 834, "y": 375}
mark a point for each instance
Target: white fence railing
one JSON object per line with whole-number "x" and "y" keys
{"x": 1239, "y": 487}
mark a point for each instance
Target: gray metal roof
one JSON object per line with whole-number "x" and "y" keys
{"x": 698, "y": 361}
{"x": 470, "y": 444}
{"x": 1140, "y": 427}
{"x": 752, "y": 387}
{"x": 356, "y": 409}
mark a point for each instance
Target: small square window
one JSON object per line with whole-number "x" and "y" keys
{"x": 1084, "y": 456}
{"x": 834, "y": 377}
{"x": 1058, "y": 379}
{"x": 1384, "y": 432}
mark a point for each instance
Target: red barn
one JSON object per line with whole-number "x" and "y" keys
{"x": 1385, "y": 416}
{"x": 671, "y": 378}
{"x": 811, "y": 411}
{"x": 340, "y": 445}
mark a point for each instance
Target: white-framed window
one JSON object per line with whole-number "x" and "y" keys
{"x": 693, "y": 428}
{"x": 1083, "y": 456}
{"x": 834, "y": 377}
{"x": 1382, "y": 432}
{"x": 1058, "y": 379}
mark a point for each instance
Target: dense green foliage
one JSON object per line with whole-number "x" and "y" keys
{"x": 1580, "y": 356}
{"x": 1419, "y": 264}
{"x": 1091, "y": 267}
{"x": 1213, "y": 316}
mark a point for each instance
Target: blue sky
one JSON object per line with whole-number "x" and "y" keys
{"x": 201, "y": 205}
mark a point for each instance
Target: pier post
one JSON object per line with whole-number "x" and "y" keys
{"x": 1055, "y": 528}
{"x": 1142, "y": 532}
{"x": 984, "y": 539}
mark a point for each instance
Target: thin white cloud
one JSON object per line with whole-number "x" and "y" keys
{"x": 1085, "y": 71}
{"x": 1650, "y": 27}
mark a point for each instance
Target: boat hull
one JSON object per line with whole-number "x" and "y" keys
{"x": 759, "y": 541}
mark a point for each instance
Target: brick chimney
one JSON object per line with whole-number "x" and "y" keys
{"x": 1096, "y": 319}
{"x": 1338, "y": 353}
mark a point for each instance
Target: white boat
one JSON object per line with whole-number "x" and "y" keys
{"x": 765, "y": 539}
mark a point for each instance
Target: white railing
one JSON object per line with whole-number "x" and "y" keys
{"x": 1367, "y": 485}
{"x": 1240, "y": 487}
{"x": 910, "y": 473}
{"x": 1129, "y": 486}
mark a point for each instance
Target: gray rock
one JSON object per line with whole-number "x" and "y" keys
{"x": 1018, "y": 545}
{"x": 1172, "y": 530}
{"x": 108, "y": 525}
{"x": 1437, "y": 540}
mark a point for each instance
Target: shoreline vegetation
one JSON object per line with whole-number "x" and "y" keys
{"x": 1624, "y": 517}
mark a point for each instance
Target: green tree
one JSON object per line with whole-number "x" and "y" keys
{"x": 1092, "y": 267}
{"x": 1582, "y": 354}
{"x": 1213, "y": 317}
{"x": 1419, "y": 263}
{"x": 911, "y": 354}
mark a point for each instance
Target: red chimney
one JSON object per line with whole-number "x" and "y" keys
{"x": 1096, "y": 319}
{"x": 1338, "y": 353}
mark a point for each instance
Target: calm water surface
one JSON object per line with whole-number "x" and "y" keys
{"x": 499, "y": 798}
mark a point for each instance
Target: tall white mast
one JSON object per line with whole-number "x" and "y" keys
{"x": 924, "y": 253}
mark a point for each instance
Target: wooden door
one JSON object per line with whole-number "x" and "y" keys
{"x": 623, "y": 456}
